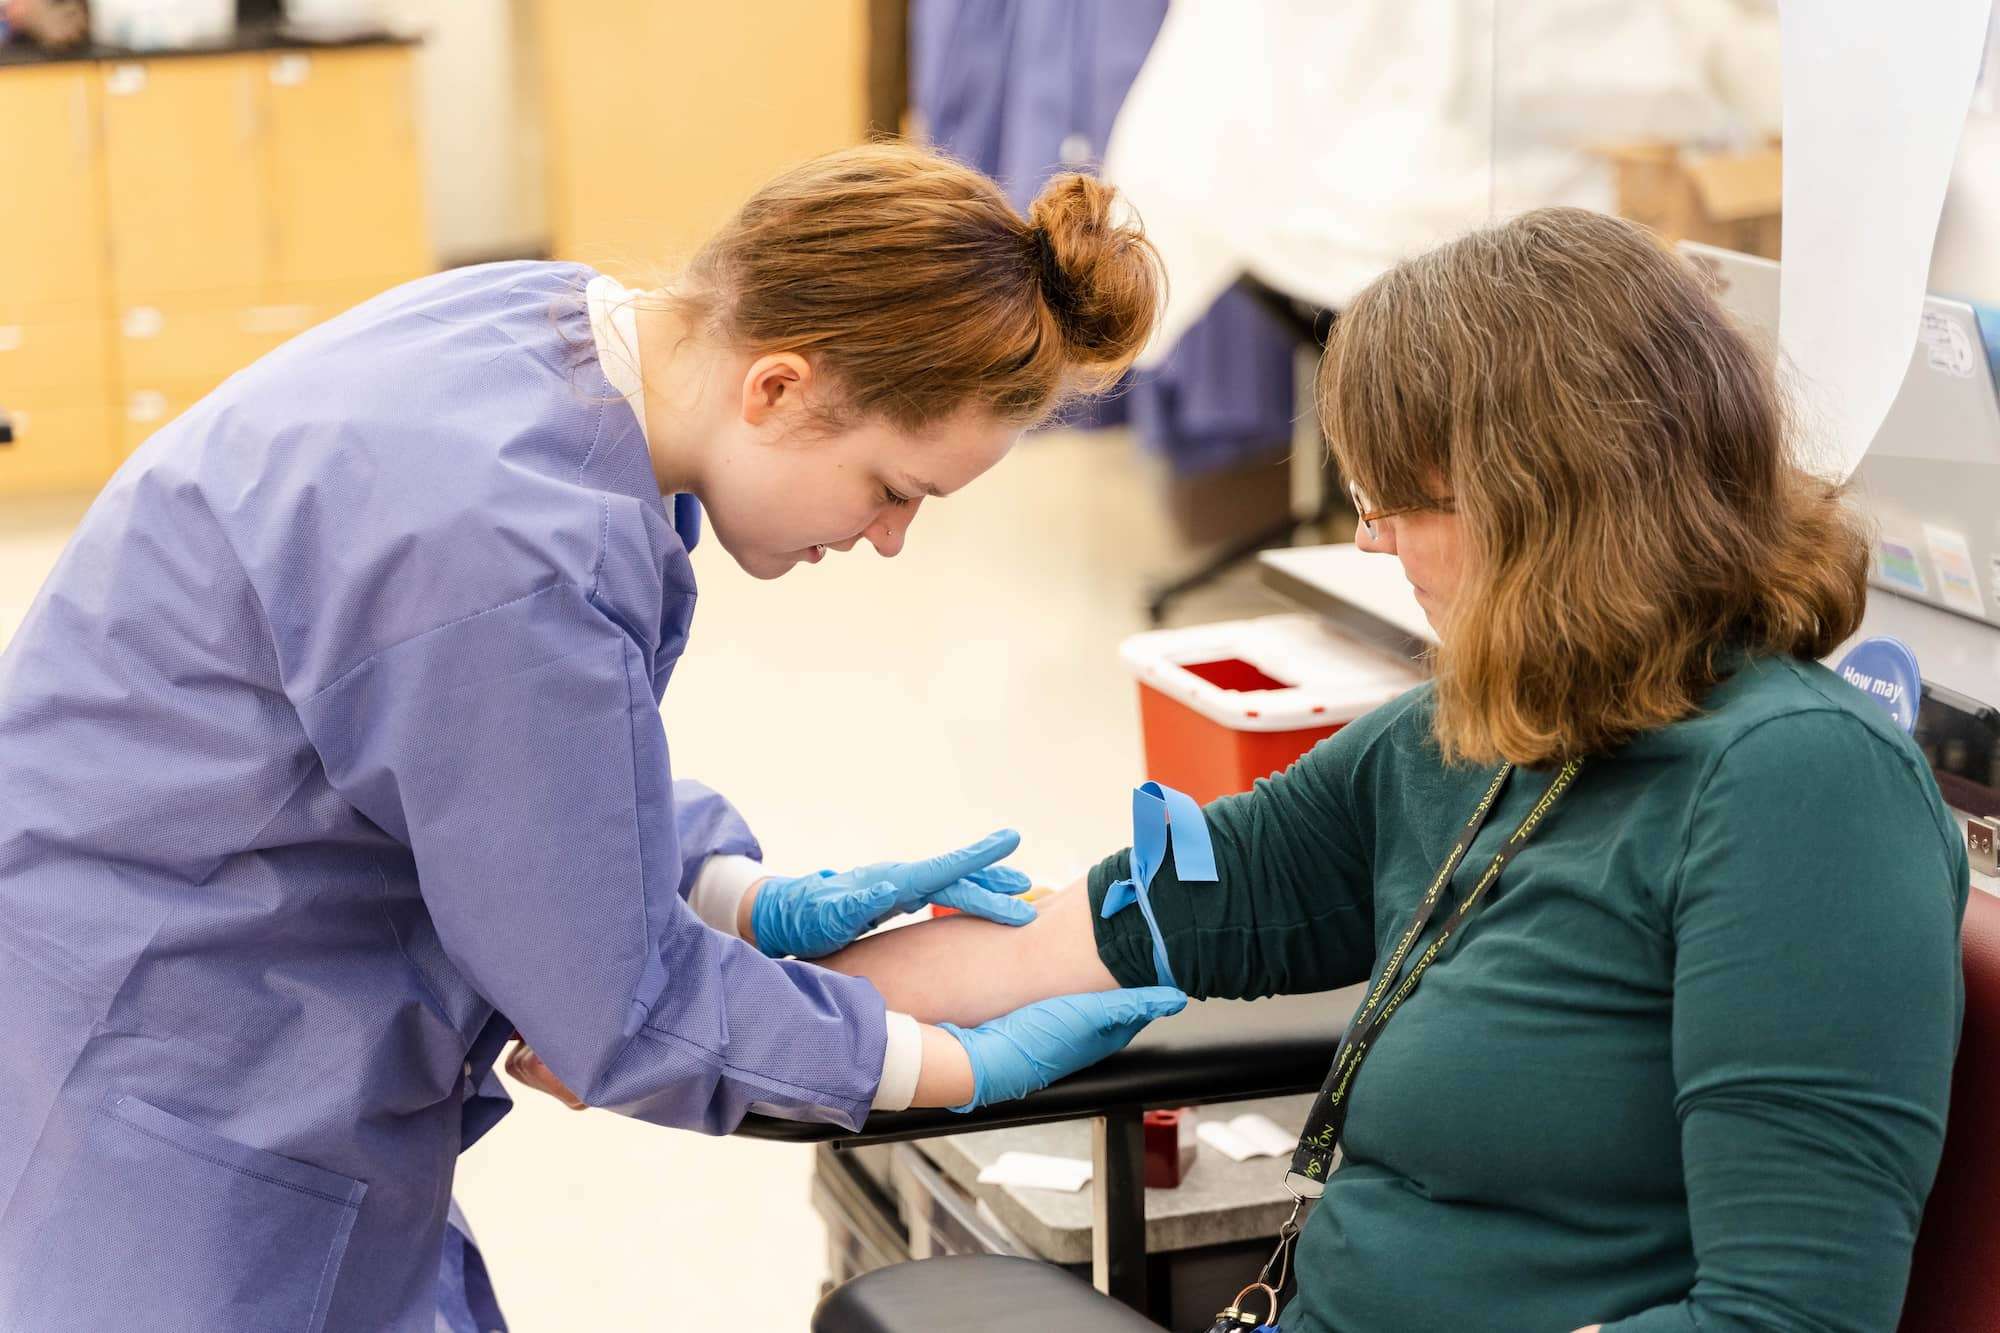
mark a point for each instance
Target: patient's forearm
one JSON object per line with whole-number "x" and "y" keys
{"x": 966, "y": 971}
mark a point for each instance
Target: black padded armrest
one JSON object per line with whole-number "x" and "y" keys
{"x": 984, "y": 1293}
{"x": 1213, "y": 1051}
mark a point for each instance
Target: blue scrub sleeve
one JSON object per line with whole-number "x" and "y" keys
{"x": 519, "y": 754}
{"x": 708, "y": 826}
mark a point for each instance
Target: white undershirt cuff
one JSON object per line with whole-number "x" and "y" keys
{"x": 902, "y": 1061}
{"x": 719, "y": 887}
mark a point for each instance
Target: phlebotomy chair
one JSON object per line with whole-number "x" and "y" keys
{"x": 1954, "y": 1281}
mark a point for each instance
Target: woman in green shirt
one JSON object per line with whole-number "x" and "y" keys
{"x": 1685, "y": 1066}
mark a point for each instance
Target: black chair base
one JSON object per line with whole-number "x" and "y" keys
{"x": 985, "y": 1293}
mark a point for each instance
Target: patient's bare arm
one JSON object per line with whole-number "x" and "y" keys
{"x": 958, "y": 970}
{"x": 965, "y": 971}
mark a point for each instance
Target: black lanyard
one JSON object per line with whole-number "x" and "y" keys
{"x": 1313, "y": 1159}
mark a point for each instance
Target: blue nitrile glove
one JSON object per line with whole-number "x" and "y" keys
{"x": 814, "y": 915}
{"x": 1027, "y": 1050}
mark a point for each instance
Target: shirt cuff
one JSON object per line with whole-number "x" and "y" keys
{"x": 902, "y": 1061}
{"x": 719, "y": 888}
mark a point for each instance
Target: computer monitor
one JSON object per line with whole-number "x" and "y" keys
{"x": 1931, "y": 477}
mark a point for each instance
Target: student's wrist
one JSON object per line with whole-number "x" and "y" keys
{"x": 745, "y": 905}
{"x": 946, "y": 1078}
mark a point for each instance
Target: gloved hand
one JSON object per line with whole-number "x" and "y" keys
{"x": 814, "y": 915}
{"x": 1018, "y": 1053}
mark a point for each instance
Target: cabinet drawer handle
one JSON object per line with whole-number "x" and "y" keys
{"x": 276, "y": 318}
{"x": 247, "y": 110}
{"x": 79, "y": 119}
{"x": 143, "y": 321}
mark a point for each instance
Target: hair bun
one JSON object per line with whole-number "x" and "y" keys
{"x": 1101, "y": 278}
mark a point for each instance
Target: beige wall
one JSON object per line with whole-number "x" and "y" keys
{"x": 481, "y": 126}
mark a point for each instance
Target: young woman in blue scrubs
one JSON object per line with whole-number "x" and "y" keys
{"x": 331, "y": 754}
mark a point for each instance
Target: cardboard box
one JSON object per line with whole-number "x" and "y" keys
{"x": 1729, "y": 199}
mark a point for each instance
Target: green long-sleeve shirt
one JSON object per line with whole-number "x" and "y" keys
{"x": 1687, "y": 1066}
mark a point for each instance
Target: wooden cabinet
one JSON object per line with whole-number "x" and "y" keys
{"x": 314, "y": 201}
{"x": 189, "y": 214}
{"x": 54, "y": 354}
{"x": 188, "y": 344}
{"x": 662, "y": 118}
{"x": 181, "y": 166}
{"x": 54, "y": 340}
{"x": 54, "y": 221}
{"x": 58, "y": 447}
{"x": 343, "y": 164}
{"x": 144, "y": 410}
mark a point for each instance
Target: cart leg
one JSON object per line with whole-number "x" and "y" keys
{"x": 1118, "y": 1240}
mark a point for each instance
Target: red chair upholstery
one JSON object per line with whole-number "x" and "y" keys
{"x": 1955, "y": 1279}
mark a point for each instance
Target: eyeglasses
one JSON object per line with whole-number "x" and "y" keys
{"x": 1365, "y": 509}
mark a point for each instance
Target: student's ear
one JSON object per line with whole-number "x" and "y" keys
{"x": 775, "y": 383}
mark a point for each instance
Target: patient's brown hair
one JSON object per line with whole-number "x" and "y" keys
{"x": 917, "y": 287}
{"x": 1621, "y": 461}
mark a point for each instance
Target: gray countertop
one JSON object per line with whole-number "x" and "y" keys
{"x": 1218, "y": 1200}
{"x": 247, "y": 37}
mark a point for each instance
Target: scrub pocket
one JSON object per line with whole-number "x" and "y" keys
{"x": 164, "y": 1225}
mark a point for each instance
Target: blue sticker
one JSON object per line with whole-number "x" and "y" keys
{"x": 1885, "y": 670}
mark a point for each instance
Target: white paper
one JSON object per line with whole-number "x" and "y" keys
{"x": 1246, "y": 1136}
{"x": 1875, "y": 96}
{"x": 1218, "y": 1135}
{"x": 1037, "y": 1171}
{"x": 1270, "y": 1140}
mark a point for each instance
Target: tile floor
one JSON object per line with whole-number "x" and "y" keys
{"x": 857, "y": 710}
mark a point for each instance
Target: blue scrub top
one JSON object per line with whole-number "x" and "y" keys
{"x": 330, "y": 754}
